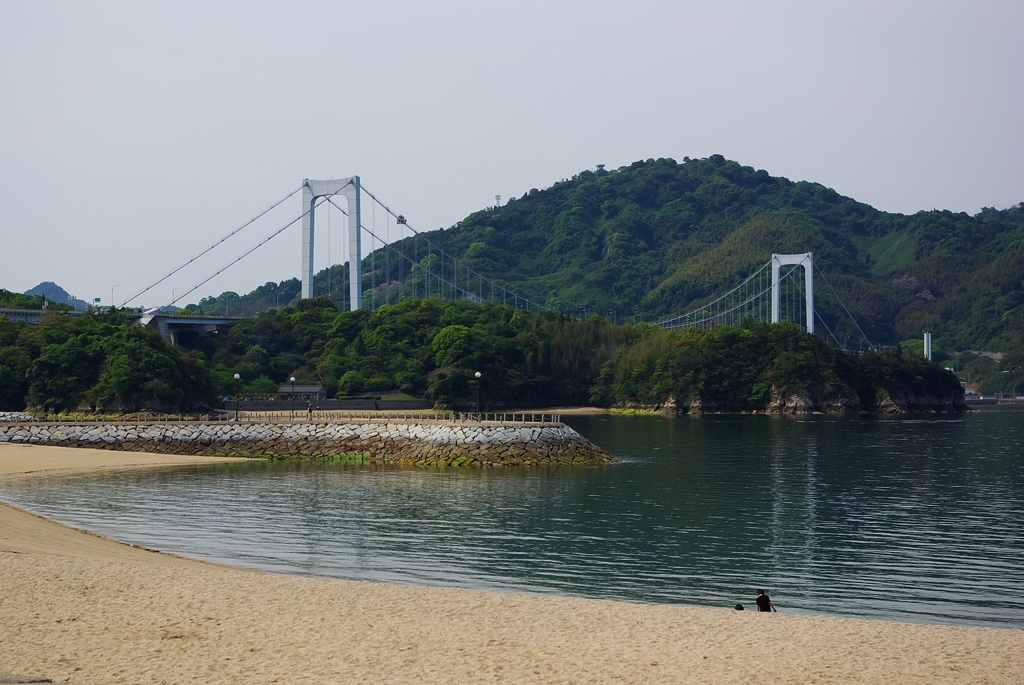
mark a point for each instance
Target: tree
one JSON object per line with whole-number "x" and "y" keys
{"x": 352, "y": 383}
{"x": 139, "y": 371}
{"x": 62, "y": 374}
{"x": 451, "y": 346}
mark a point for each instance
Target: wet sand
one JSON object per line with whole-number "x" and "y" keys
{"x": 79, "y": 608}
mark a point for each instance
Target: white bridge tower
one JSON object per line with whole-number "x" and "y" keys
{"x": 805, "y": 260}
{"x": 311, "y": 190}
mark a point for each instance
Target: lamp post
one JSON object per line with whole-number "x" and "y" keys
{"x": 292, "y": 379}
{"x": 237, "y": 376}
{"x": 477, "y": 375}
{"x": 112, "y": 295}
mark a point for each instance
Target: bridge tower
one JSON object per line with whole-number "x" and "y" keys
{"x": 311, "y": 190}
{"x": 805, "y": 260}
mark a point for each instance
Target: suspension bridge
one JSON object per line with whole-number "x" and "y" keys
{"x": 780, "y": 290}
{"x": 401, "y": 262}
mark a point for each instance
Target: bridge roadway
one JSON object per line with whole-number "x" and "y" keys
{"x": 168, "y": 325}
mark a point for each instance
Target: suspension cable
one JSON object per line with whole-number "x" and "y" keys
{"x": 245, "y": 225}
{"x": 246, "y": 253}
{"x": 440, "y": 278}
{"x": 666, "y": 322}
{"x": 843, "y": 305}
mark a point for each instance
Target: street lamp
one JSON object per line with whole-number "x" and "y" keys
{"x": 292, "y": 379}
{"x": 477, "y": 374}
{"x": 237, "y": 376}
{"x": 112, "y": 295}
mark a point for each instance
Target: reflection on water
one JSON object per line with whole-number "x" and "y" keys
{"x": 916, "y": 519}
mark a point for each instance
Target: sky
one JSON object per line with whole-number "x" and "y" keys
{"x": 134, "y": 134}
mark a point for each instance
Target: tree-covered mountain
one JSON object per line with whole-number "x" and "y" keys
{"x": 660, "y": 237}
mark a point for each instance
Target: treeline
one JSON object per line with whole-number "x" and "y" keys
{"x": 97, "y": 361}
{"x": 434, "y": 349}
{"x": 421, "y": 348}
{"x": 764, "y": 367}
{"x": 12, "y": 300}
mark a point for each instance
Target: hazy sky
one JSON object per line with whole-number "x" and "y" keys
{"x": 133, "y": 134}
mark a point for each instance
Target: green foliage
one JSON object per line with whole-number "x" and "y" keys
{"x": 427, "y": 348}
{"x": 745, "y": 369}
{"x": 138, "y": 371}
{"x": 262, "y": 386}
{"x": 14, "y": 364}
{"x": 97, "y": 361}
{"x": 434, "y": 349}
{"x": 9, "y": 300}
{"x": 264, "y": 298}
{"x": 452, "y": 345}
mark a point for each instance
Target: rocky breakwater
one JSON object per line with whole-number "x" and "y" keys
{"x": 398, "y": 442}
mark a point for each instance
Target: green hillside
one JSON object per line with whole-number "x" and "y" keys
{"x": 660, "y": 237}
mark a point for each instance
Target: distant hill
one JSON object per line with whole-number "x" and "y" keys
{"x": 54, "y": 293}
{"x": 660, "y": 237}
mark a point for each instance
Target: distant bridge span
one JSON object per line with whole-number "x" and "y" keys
{"x": 747, "y": 301}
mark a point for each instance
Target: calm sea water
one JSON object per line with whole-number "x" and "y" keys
{"x": 899, "y": 518}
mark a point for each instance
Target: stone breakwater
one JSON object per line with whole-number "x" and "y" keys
{"x": 419, "y": 444}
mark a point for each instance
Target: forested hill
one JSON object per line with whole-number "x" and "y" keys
{"x": 658, "y": 237}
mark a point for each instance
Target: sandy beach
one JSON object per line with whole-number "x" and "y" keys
{"x": 79, "y": 608}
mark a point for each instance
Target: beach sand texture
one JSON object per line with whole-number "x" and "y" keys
{"x": 79, "y": 608}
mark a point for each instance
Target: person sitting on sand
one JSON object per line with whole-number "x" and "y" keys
{"x": 764, "y": 603}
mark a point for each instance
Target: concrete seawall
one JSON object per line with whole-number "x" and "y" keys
{"x": 405, "y": 443}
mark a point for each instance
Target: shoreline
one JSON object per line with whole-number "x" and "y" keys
{"x": 80, "y": 608}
